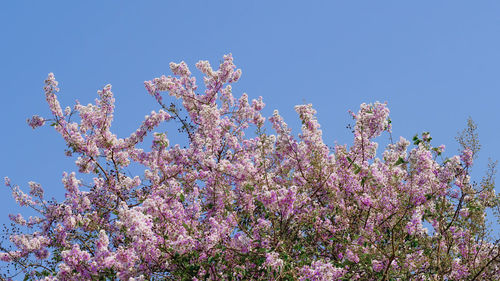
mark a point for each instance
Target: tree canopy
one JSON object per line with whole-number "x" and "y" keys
{"x": 244, "y": 200}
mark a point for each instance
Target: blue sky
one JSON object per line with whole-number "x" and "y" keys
{"x": 434, "y": 62}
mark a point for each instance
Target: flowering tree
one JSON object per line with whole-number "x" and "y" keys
{"x": 238, "y": 203}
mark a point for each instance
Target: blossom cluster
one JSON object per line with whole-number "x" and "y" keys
{"x": 238, "y": 203}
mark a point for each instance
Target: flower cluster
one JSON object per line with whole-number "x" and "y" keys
{"x": 239, "y": 203}
{"x": 35, "y": 121}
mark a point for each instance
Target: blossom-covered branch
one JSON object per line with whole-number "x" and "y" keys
{"x": 238, "y": 203}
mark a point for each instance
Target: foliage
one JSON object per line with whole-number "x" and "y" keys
{"x": 238, "y": 203}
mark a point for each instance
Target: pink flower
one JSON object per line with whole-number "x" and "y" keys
{"x": 351, "y": 256}
{"x": 466, "y": 157}
{"x": 377, "y": 265}
{"x": 7, "y": 181}
{"x": 35, "y": 121}
{"x": 244, "y": 200}
{"x": 273, "y": 261}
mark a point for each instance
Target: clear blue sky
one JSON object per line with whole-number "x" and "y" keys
{"x": 434, "y": 62}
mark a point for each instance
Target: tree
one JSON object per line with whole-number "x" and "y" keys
{"x": 238, "y": 203}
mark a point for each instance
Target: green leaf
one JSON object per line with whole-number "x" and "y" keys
{"x": 261, "y": 250}
{"x": 357, "y": 169}
{"x": 363, "y": 180}
{"x": 285, "y": 257}
{"x": 437, "y": 150}
{"x": 249, "y": 187}
{"x": 181, "y": 197}
{"x": 400, "y": 161}
{"x": 416, "y": 140}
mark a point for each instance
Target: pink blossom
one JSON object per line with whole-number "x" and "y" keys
{"x": 35, "y": 121}
{"x": 247, "y": 200}
{"x": 466, "y": 157}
